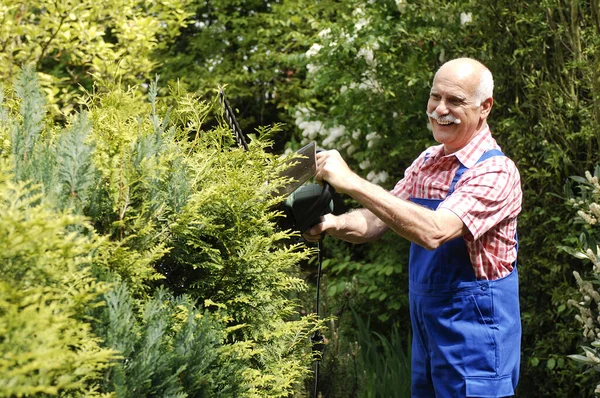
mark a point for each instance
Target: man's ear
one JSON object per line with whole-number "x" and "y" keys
{"x": 486, "y": 107}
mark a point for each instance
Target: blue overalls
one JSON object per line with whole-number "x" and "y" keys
{"x": 466, "y": 332}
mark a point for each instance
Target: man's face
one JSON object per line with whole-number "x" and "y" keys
{"x": 454, "y": 113}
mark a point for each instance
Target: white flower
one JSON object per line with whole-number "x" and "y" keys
{"x": 365, "y": 164}
{"x": 465, "y": 18}
{"x": 313, "y": 50}
{"x": 367, "y": 54}
{"x": 334, "y": 134}
{"x": 595, "y": 209}
{"x": 592, "y": 179}
{"x": 312, "y": 68}
{"x": 401, "y": 4}
{"x": 372, "y": 138}
{"x": 371, "y": 84}
{"x": 442, "y": 57}
{"x": 586, "y": 217}
{"x": 310, "y": 129}
{"x": 325, "y": 33}
{"x": 358, "y": 11}
{"x": 361, "y": 23}
{"x": 377, "y": 177}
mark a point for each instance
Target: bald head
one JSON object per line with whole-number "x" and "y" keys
{"x": 460, "y": 102}
{"x": 472, "y": 73}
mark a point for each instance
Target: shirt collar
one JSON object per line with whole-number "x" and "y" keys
{"x": 470, "y": 153}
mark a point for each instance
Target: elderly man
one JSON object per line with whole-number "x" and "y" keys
{"x": 458, "y": 205}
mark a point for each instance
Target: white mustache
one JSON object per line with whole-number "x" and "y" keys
{"x": 447, "y": 118}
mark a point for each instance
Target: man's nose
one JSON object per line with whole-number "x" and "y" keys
{"x": 441, "y": 107}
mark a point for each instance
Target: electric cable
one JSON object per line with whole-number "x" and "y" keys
{"x": 317, "y": 338}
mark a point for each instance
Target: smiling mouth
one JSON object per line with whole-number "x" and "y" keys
{"x": 445, "y": 120}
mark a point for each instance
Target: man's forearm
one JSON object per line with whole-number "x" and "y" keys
{"x": 418, "y": 224}
{"x": 358, "y": 226}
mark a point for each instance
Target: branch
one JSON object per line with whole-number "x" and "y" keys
{"x": 53, "y": 36}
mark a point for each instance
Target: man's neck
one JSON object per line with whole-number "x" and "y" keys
{"x": 482, "y": 127}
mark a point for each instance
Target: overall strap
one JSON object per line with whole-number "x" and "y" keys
{"x": 462, "y": 168}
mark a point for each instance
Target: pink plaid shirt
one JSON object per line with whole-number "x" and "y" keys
{"x": 487, "y": 199}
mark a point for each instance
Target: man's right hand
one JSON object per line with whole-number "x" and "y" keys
{"x": 317, "y": 232}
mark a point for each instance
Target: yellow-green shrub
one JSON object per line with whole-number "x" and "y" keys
{"x": 177, "y": 228}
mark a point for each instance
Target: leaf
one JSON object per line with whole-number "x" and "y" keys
{"x": 573, "y": 252}
{"x": 579, "y": 179}
{"x": 581, "y": 358}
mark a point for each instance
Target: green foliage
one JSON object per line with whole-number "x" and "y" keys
{"x": 170, "y": 349}
{"x": 68, "y": 42}
{"x": 370, "y": 274}
{"x": 250, "y": 47}
{"x": 370, "y": 73}
{"x": 353, "y": 75}
{"x": 385, "y": 363}
{"x": 362, "y": 89}
{"x": 361, "y": 362}
{"x": 198, "y": 279}
{"x": 584, "y": 202}
{"x": 47, "y": 286}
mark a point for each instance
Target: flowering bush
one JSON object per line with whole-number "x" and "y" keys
{"x": 585, "y": 202}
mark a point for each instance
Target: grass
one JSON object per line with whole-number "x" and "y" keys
{"x": 384, "y": 363}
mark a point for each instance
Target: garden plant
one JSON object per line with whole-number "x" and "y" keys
{"x": 141, "y": 250}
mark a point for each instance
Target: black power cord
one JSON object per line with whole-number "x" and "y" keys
{"x": 317, "y": 339}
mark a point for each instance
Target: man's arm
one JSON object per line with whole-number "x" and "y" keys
{"x": 416, "y": 223}
{"x": 358, "y": 226}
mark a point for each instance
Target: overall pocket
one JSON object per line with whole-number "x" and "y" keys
{"x": 464, "y": 330}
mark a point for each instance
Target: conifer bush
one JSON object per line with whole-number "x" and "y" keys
{"x": 47, "y": 285}
{"x": 147, "y": 249}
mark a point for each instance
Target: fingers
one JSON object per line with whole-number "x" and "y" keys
{"x": 311, "y": 238}
{"x": 329, "y": 165}
{"x": 318, "y": 231}
{"x": 321, "y": 160}
{"x": 314, "y": 234}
